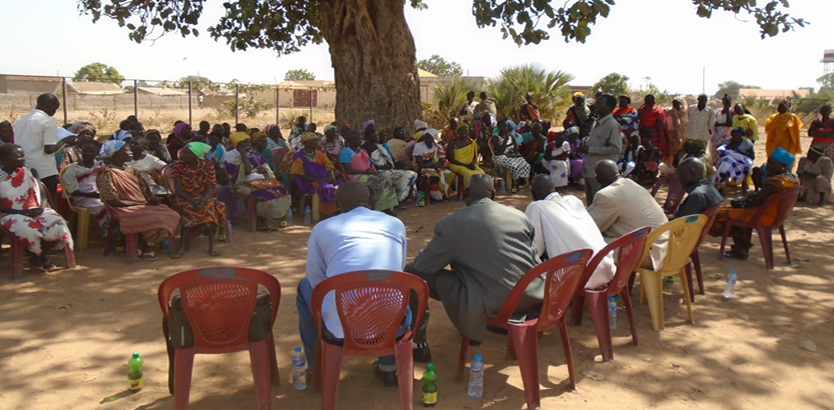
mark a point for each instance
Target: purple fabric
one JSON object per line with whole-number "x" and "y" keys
{"x": 327, "y": 192}
{"x": 256, "y": 160}
{"x": 234, "y": 206}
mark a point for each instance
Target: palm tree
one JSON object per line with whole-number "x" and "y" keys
{"x": 448, "y": 98}
{"x": 550, "y": 89}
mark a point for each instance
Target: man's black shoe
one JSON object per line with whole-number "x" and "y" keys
{"x": 389, "y": 379}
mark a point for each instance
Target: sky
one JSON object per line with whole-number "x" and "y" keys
{"x": 659, "y": 41}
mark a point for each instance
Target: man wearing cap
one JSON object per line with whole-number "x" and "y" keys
{"x": 778, "y": 179}
{"x": 815, "y": 172}
{"x": 37, "y": 134}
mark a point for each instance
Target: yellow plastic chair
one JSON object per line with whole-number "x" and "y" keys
{"x": 78, "y": 215}
{"x": 684, "y": 234}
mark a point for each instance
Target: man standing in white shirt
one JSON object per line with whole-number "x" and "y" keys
{"x": 701, "y": 122}
{"x": 37, "y": 134}
{"x": 563, "y": 225}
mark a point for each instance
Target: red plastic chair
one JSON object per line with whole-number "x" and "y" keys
{"x": 786, "y": 201}
{"x": 629, "y": 251}
{"x": 563, "y": 276}
{"x": 218, "y": 302}
{"x": 710, "y": 213}
{"x": 371, "y": 305}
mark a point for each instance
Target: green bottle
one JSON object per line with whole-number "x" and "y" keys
{"x": 429, "y": 387}
{"x": 135, "y": 376}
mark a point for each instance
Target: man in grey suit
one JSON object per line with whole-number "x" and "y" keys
{"x": 489, "y": 247}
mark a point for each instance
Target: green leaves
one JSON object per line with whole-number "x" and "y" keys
{"x": 98, "y": 72}
{"x": 438, "y": 66}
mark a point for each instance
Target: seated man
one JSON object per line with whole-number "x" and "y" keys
{"x": 356, "y": 239}
{"x": 702, "y": 194}
{"x": 490, "y": 247}
{"x": 815, "y": 172}
{"x": 562, "y": 225}
{"x": 621, "y": 206}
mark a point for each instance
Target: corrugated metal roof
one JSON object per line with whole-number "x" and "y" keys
{"x": 94, "y": 88}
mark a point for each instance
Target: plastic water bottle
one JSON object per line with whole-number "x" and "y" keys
{"x": 299, "y": 369}
{"x": 165, "y": 245}
{"x": 476, "y": 377}
{"x": 502, "y": 187}
{"x": 288, "y": 217}
{"x": 612, "y": 312}
{"x": 135, "y": 377}
{"x": 308, "y": 215}
{"x": 730, "y": 288}
{"x": 429, "y": 387}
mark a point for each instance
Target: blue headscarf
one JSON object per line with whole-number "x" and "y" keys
{"x": 110, "y": 147}
{"x": 783, "y": 156}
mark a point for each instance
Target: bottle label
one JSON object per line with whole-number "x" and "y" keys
{"x": 135, "y": 384}
{"x": 430, "y": 398}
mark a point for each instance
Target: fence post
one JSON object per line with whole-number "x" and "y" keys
{"x": 237, "y": 103}
{"x": 189, "y": 103}
{"x": 64, "y": 97}
{"x": 278, "y": 107}
{"x": 311, "y": 104}
{"x": 136, "y": 98}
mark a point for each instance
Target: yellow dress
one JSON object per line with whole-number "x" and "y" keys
{"x": 782, "y": 130}
{"x": 465, "y": 155}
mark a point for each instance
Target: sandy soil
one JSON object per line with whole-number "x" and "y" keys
{"x": 65, "y": 337}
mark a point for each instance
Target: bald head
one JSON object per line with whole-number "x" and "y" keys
{"x": 48, "y": 103}
{"x": 607, "y": 172}
{"x": 542, "y": 186}
{"x": 353, "y": 194}
{"x": 480, "y": 187}
{"x": 690, "y": 171}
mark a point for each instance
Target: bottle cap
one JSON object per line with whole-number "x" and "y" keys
{"x": 733, "y": 271}
{"x": 478, "y": 358}
{"x": 612, "y": 298}
{"x": 430, "y": 368}
{"x": 135, "y": 354}
{"x": 297, "y": 349}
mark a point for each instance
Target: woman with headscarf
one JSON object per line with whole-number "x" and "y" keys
{"x": 332, "y": 144}
{"x": 723, "y": 125}
{"x": 653, "y": 126}
{"x": 6, "y": 132}
{"x": 579, "y": 113}
{"x": 245, "y": 166}
{"x": 383, "y": 161}
{"x": 676, "y": 123}
{"x": 84, "y": 132}
{"x": 25, "y": 212}
{"x": 357, "y": 165}
{"x": 782, "y": 130}
{"x": 314, "y": 173}
{"x": 130, "y": 201}
{"x": 156, "y": 148}
{"x": 505, "y": 147}
{"x": 463, "y": 155}
{"x": 557, "y": 156}
{"x": 196, "y": 196}
{"x": 430, "y": 161}
{"x": 779, "y": 178}
{"x": 179, "y": 137}
{"x": 79, "y": 181}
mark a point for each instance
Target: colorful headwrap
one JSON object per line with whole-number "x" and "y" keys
{"x": 626, "y": 97}
{"x": 81, "y": 126}
{"x": 511, "y": 125}
{"x": 420, "y": 125}
{"x": 571, "y": 130}
{"x": 198, "y": 148}
{"x": 269, "y": 128}
{"x": 329, "y": 127}
{"x": 367, "y": 123}
{"x": 783, "y": 156}
{"x": 111, "y": 147}
{"x": 307, "y": 136}
{"x": 578, "y": 94}
{"x": 434, "y": 133}
{"x": 179, "y": 127}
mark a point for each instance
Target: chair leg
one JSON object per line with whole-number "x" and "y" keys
{"x": 464, "y": 347}
{"x": 511, "y": 348}
{"x": 318, "y": 366}
{"x": 17, "y": 257}
{"x": 526, "y": 338}
{"x": 183, "y": 365}
{"x": 688, "y": 269}
{"x": 599, "y": 314}
{"x": 577, "y": 310}
{"x": 332, "y": 369}
{"x": 630, "y": 313}
{"x": 696, "y": 260}
{"x": 273, "y": 358}
{"x": 563, "y": 332}
{"x": 261, "y": 363}
{"x": 316, "y": 208}
{"x": 766, "y": 240}
{"x": 132, "y": 247}
{"x": 726, "y": 234}
{"x": 650, "y": 282}
{"x": 785, "y": 243}
{"x": 405, "y": 373}
{"x": 687, "y": 288}
{"x": 83, "y": 229}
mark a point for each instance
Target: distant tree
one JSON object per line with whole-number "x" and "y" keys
{"x": 614, "y": 84}
{"x": 826, "y": 83}
{"x": 98, "y": 72}
{"x": 196, "y": 79}
{"x": 299, "y": 75}
{"x": 438, "y": 66}
{"x": 731, "y": 88}
{"x": 550, "y": 89}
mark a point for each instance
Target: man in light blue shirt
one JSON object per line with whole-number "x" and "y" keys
{"x": 357, "y": 239}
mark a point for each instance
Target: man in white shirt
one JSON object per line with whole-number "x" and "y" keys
{"x": 357, "y": 239}
{"x": 563, "y": 225}
{"x": 701, "y": 121}
{"x": 37, "y": 134}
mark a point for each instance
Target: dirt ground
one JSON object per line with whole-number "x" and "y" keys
{"x": 65, "y": 337}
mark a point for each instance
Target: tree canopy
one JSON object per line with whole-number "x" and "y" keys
{"x": 299, "y": 75}
{"x": 614, "y": 84}
{"x": 98, "y": 72}
{"x": 731, "y": 88}
{"x": 438, "y": 66}
{"x": 826, "y": 83}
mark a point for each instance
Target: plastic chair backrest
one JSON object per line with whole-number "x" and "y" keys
{"x": 684, "y": 234}
{"x": 167, "y": 179}
{"x": 218, "y": 302}
{"x": 563, "y": 274}
{"x": 371, "y": 305}
{"x": 629, "y": 250}
{"x": 278, "y": 155}
{"x": 786, "y": 201}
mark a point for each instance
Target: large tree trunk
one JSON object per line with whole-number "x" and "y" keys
{"x": 374, "y": 60}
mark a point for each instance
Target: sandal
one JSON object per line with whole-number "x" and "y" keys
{"x": 177, "y": 254}
{"x": 149, "y": 256}
{"x": 733, "y": 255}
{"x": 267, "y": 228}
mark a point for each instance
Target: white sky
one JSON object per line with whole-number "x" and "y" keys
{"x": 660, "y": 39}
